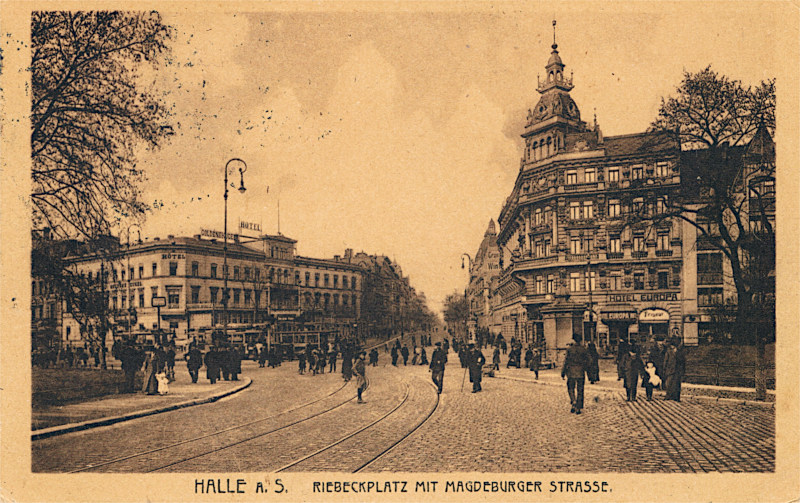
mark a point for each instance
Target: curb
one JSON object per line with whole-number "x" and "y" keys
{"x": 702, "y": 398}
{"x": 105, "y": 421}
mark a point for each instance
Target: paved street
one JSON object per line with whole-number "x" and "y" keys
{"x": 513, "y": 425}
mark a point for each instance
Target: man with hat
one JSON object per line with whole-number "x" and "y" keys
{"x": 475, "y": 361}
{"x": 438, "y": 361}
{"x": 360, "y": 371}
{"x": 576, "y": 364}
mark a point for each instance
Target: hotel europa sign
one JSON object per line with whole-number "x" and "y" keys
{"x": 643, "y": 297}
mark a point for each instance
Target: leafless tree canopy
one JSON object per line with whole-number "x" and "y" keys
{"x": 88, "y": 114}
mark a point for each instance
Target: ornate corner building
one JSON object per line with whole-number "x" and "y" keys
{"x": 573, "y": 257}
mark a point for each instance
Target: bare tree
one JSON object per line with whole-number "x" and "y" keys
{"x": 727, "y": 190}
{"x": 88, "y": 114}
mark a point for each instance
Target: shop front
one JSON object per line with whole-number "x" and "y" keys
{"x": 653, "y": 324}
{"x": 618, "y": 318}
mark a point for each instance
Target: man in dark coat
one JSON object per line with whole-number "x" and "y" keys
{"x": 536, "y": 361}
{"x": 438, "y": 361}
{"x": 235, "y": 356}
{"x": 347, "y": 363}
{"x": 594, "y": 363}
{"x": 404, "y": 352}
{"x": 576, "y": 363}
{"x": 213, "y": 365}
{"x": 674, "y": 368}
{"x": 194, "y": 360}
{"x": 395, "y": 355}
{"x": 633, "y": 371}
{"x": 131, "y": 363}
{"x": 622, "y": 353}
{"x": 475, "y": 361}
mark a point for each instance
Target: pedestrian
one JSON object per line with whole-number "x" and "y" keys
{"x": 423, "y": 357}
{"x": 96, "y": 356}
{"x": 437, "y": 366}
{"x": 446, "y": 345}
{"x": 674, "y": 368}
{"x": 415, "y": 359}
{"x": 651, "y": 380}
{"x": 463, "y": 356}
{"x": 373, "y": 357}
{"x": 301, "y": 361}
{"x": 322, "y": 360}
{"x": 213, "y": 364}
{"x": 235, "y": 356}
{"x": 496, "y": 358}
{"x": 475, "y": 363}
{"x": 170, "y": 362}
{"x": 622, "y": 353}
{"x": 576, "y": 363}
{"x": 404, "y": 352}
{"x": 360, "y": 371}
{"x": 594, "y": 364}
{"x": 311, "y": 356}
{"x": 151, "y": 364}
{"x": 347, "y": 363}
{"x": 332, "y": 360}
{"x": 395, "y": 355}
{"x": 528, "y": 357}
{"x": 131, "y": 363}
{"x": 262, "y": 356}
{"x": 634, "y": 370}
{"x": 194, "y": 360}
{"x": 536, "y": 361}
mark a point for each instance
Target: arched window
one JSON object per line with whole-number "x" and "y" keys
{"x": 550, "y": 77}
{"x": 558, "y": 76}
{"x": 549, "y": 141}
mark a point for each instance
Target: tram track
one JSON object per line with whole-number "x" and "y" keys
{"x": 199, "y": 438}
{"x": 344, "y": 451}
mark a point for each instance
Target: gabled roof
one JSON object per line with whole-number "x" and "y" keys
{"x": 639, "y": 144}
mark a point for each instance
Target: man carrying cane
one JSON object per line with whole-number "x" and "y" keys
{"x": 438, "y": 361}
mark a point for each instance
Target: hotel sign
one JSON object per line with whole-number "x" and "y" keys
{"x": 250, "y": 226}
{"x": 643, "y": 297}
{"x": 654, "y": 316}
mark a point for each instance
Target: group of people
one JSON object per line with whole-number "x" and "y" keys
{"x": 158, "y": 361}
{"x": 222, "y": 361}
{"x": 660, "y": 364}
{"x": 401, "y": 350}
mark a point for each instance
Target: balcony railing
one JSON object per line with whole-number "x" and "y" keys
{"x": 580, "y": 187}
{"x": 663, "y": 253}
{"x": 615, "y": 255}
{"x": 639, "y": 254}
{"x": 709, "y": 278}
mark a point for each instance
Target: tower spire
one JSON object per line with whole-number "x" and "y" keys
{"x": 554, "y": 34}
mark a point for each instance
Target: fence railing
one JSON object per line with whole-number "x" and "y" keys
{"x": 718, "y": 374}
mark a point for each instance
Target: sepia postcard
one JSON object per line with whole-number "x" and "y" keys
{"x": 399, "y": 251}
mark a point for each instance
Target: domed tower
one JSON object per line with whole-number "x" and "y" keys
{"x": 555, "y": 115}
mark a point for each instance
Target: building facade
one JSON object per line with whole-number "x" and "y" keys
{"x": 265, "y": 286}
{"x": 484, "y": 274}
{"x": 589, "y": 242}
{"x": 573, "y": 257}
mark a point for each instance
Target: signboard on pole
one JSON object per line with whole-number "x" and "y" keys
{"x": 158, "y": 301}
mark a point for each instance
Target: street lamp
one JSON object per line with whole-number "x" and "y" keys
{"x": 466, "y": 301}
{"x": 592, "y": 328}
{"x": 242, "y": 169}
{"x": 130, "y": 273}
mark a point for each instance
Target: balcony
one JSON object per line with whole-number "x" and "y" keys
{"x": 577, "y": 257}
{"x": 202, "y": 306}
{"x": 709, "y": 278}
{"x": 639, "y": 254}
{"x": 580, "y": 187}
{"x": 663, "y": 253}
{"x": 615, "y": 255}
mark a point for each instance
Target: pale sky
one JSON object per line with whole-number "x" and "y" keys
{"x": 398, "y": 133}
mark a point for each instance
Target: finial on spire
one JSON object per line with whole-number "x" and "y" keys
{"x": 554, "y": 34}
{"x": 595, "y": 117}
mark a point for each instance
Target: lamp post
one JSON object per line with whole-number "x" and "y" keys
{"x": 130, "y": 273}
{"x": 591, "y": 305}
{"x": 242, "y": 169}
{"x": 466, "y": 301}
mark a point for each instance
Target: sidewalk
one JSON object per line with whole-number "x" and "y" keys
{"x": 60, "y": 419}
{"x": 609, "y": 384}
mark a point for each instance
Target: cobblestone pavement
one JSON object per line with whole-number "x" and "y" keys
{"x": 510, "y": 426}
{"x": 520, "y": 426}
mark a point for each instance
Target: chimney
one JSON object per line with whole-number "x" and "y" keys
{"x": 337, "y": 258}
{"x": 348, "y": 254}
{"x": 156, "y": 239}
{"x": 170, "y": 236}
